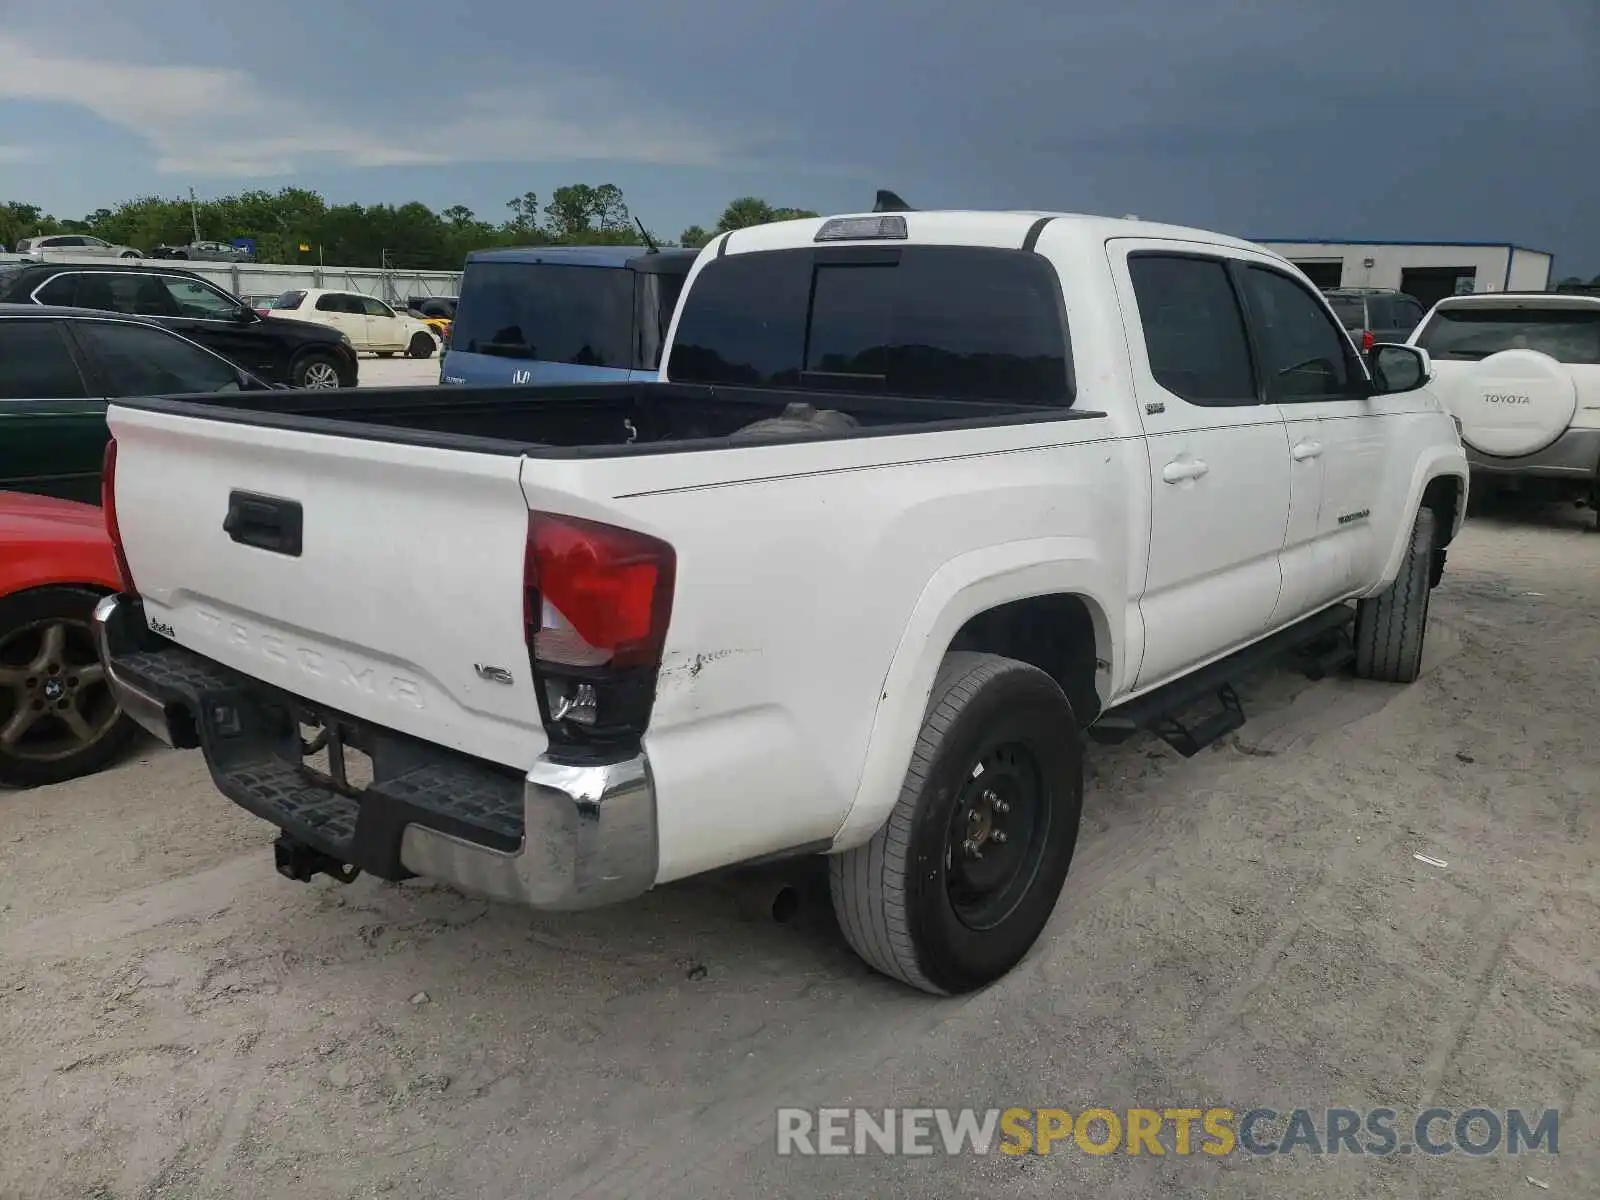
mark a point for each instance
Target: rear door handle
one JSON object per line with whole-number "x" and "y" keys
{"x": 266, "y": 522}
{"x": 1184, "y": 468}
{"x": 1305, "y": 450}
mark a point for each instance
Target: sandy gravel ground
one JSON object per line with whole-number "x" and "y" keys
{"x": 1245, "y": 928}
{"x": 398, "y": 371}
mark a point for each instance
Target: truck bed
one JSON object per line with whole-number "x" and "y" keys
{"x": 585, "y": 420}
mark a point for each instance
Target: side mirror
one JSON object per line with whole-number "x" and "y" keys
{"x": 245, "y": 315}
{"x": 1398, "y": 369}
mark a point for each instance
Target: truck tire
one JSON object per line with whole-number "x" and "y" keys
{"x": 1390, "y": 628}
{"x": 421, "y": 346}
{"x": 936, "y": 899}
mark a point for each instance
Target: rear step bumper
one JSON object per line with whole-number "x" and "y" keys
{"x": 560, "y": 837}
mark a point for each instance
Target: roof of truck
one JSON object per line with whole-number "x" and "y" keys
{"x": 984, "y": 227}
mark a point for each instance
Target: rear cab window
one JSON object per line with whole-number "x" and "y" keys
{"x": 288, "y": 301}
{"x": 939, "y": 322}
{"x": 1467, "y": 333}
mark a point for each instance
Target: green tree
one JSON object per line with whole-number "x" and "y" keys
{"x": 524, "y": 222}
{"x": 752, "y": 210}
{"x": 572, "y": 210}
{"x": 410, "y": 235}
{"x": 743, "y": 213}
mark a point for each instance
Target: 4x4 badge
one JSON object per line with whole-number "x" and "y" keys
{"x": 493, "y": 674}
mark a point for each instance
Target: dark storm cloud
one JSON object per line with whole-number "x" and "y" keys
{"x": 1444, "y": 120}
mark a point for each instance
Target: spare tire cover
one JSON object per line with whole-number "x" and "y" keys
{"x": 1513, "y": 403}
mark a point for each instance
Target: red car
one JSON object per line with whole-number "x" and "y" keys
{"x": 58, "y": 719}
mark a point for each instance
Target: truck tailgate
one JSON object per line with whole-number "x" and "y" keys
{"x": 403, "y": 605}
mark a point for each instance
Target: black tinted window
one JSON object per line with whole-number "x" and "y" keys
{"x": 288, "y": 300}
{"x": 937, "y": 321}
{"x": 1468, "y": 334}
{"x": 1352, "y": 313}
{"x": 61, "y": 291}
{"x": 1307, "y": 356}
{"x": 657, "y": 296}
{"x": 1380, "y": 312}
{"x": 579, "y": 315}
{"x": 1407, "y": 313}
{"x": 35, "y": 363}
{"x": 141, "y": 360}
{"x": 1193, "y": 331}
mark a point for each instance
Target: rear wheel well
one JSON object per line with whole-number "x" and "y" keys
{"x": 1443, "y": 495}
{"x": 1057, "y": 633}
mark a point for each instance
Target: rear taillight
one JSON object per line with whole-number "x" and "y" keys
{"x": 1367, "y": 340}
{"x": 108, "y": 505}
{"x": 597, "y": 600}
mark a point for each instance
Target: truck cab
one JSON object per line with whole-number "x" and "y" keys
{"x": 563, "y": 314}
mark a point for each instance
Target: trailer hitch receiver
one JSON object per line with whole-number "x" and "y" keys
{"x": 302, "y": 863}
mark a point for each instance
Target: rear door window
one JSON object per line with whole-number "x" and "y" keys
{"x": 947, "y": 322}
{"x": 36, "y": 363}
{"x": 141, "y": 360}
{"x": 548, "y": 313}
{"x": 1194, "y": 332}
{"x": 1467, "y": 334}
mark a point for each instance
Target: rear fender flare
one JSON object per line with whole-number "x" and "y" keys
{"x": 958, "y": 591}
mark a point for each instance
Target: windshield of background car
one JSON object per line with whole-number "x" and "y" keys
{"x": 547, "y": 312}
{"x": 1468, "y": 334}
{"x": 946, "y": 322}
{"x": 289, "y": 300}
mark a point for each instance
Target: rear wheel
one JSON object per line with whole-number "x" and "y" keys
{"x": 135, "y": 254}
{"x": 58, "y": 719}
{"x": 958, "y": 884}
{"x": 1390, "y": 628}
{"x": 316, "y": 371}
{"x": 421, "y": 346}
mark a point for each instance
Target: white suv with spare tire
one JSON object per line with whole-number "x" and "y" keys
{"x": 1521, "y": 373}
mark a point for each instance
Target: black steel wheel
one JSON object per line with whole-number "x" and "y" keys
{"x": 956, "y": 887}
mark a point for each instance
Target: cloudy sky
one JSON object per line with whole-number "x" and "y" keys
{"x": 1404, "y": 119}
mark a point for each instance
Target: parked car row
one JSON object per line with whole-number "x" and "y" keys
{"x": 75, "y": 245}
{"x": 298, "y": 353}
{"x": 1050, "y": 530}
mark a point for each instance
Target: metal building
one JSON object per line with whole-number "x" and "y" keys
{"x": 1428, "y": 271}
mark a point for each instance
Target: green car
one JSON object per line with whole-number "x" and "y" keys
{"x": 58, "y": 369}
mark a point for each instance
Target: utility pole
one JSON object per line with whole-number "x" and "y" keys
{"x": 194, "y": 214}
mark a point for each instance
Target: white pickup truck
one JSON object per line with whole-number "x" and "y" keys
{"x": 918, "y": 498}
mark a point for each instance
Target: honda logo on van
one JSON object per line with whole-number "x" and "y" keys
{"x": 520, "y": 376}
{"x": 1506, "y": 398}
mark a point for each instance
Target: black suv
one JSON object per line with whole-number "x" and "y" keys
{"x": 1373, "y": 315}
{"x": 297, "y": 353}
